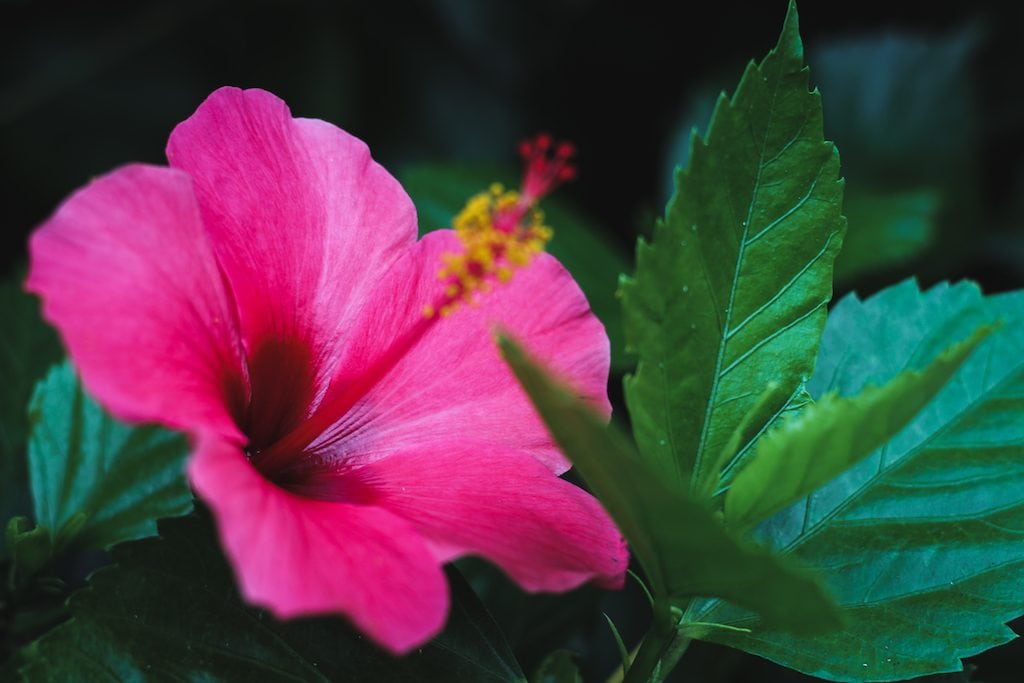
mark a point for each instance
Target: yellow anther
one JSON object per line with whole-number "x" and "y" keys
{"x": 507, "y": 201}
{"x": 499, "y": 232}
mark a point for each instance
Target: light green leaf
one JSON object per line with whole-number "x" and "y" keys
{"x": 886, "y": 229}
{"x": 96, "y": 482}
{"x": 920, "y": 541}
{"x": 27, "y": 348}
{"x": 831, "y": 435}
{"x": 682, "y": 547}
{"x": 594, "y": 260}
{"x": 730, "y": 296}
{"x": 169, "y": 610}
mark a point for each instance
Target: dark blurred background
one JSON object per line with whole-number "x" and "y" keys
{"x": 86, "y": 86}
{"x": 923, "y": 98}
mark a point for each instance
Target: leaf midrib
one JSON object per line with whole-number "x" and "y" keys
{"x": 742, "y": 454}
{"x": 697, "y": 475}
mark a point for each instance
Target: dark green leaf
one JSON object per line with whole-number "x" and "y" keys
{"x": 619, "y": 643}
{"x": 31, "y": 598}
{"x": 169, "y": 611}
{"x": 730, "y": 296}
{"x": 533, "y": 623}
{"x": 558, "y": 667}
{"x": 920, "y": 541}
{"x": 440, "y": 192}
{"x": 810, "y": 449}
{"x": 27, "y": 348}
{"x": 683, "y": 548}
{"x": 886, "y": 229}
{"x": 96, "y": 482}
{"x": 744, "y": 432}
{"x": 30, "y": 548}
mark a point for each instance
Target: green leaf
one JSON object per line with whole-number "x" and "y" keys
{"x": 745, "y": 432}
{"x": 619, "y": 643}
{"x": 533, "y": 623}
{"x": 730, "y": 295}
{"x": 95, "y": 481}
{"x": 886, "y": 229}
{"x": 31, "y": 597}
{"x": 682, "y": 547}
{"x": 169, "y": 610}
{"x": 831, "y": 435}
{"x": 594, "y": 260}
{"x": 27, "y": 348}
{"x": 558, "y": 667}
{"x": 920, "y": 541}
{"x": 30, "y": 548}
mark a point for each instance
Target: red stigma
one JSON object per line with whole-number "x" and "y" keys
{"x": 548, "y": 165}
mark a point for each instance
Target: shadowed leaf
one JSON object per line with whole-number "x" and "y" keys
{"x": 121, "y": 628}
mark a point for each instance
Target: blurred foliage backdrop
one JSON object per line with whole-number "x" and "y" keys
{"x": 923, "y": 99}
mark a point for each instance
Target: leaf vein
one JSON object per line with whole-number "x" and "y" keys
{"x": 784, "y": 288}
{"x": 774, "y": 335}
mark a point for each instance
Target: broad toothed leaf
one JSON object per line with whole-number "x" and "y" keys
{"x": 730, "y": 295}
{"x": 921, "y": 540}
{"x": 95, "y": 481}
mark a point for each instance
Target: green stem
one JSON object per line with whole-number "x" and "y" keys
{"x": 673, "y": 653}
{"x": 660, "y": 651}
{"x": 646, "y": 664}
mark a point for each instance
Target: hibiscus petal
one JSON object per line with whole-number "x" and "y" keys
{"x": 297, "y": 556}
{"x": 450, "y": 381}
{"x": 471, "y": 498}
{"x": 304, "y": 223}
{"x": 126, "y": 274}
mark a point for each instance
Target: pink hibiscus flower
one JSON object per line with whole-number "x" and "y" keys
{"x": 266, "y": 295}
